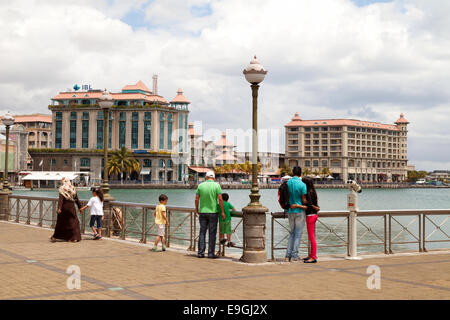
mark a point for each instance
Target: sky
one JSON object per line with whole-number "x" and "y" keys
{"x": 361, "y": 59}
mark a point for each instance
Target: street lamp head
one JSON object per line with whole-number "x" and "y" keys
{"x": 8, "y": 120}
{"x": 255, "y": 72}
{"x": 106, "y": 100}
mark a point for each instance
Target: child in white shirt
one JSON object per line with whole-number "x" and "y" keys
{"x": 96, "y": 205}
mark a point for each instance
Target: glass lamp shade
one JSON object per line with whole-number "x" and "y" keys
{"x": 106, "y": 100}
{"x": 255, "y": 72}
{"x": 8, "y": 119}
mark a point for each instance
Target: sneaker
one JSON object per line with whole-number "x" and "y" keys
{"x": 230, "y": 244}
{"x": 287, "y": 259}
{"x": 213, "y": 256}
{"x": 294, "y": 259}
{"x": 223, "y": 241}
{"x": 200, "y": 255}
{"x": 155, "y": 249}
{"x": 163, "y": 248}
{"x": 95, "y": 235}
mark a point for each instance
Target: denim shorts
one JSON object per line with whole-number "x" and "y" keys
{"x": 98, "y": 219}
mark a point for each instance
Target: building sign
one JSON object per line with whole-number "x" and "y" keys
{"x": 84, "y": 87}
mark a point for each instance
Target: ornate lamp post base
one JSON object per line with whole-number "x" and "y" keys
{"x": 254, "y": 225}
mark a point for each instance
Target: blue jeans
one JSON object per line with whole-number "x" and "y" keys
{"x": 208, "y": 221}
{"x": 296, "y": 225}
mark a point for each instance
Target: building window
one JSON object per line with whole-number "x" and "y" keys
{"x": 85, "y": 130}
{"x": 307, "y": 163}
{"x": 169, "y": 131}
{"x": 147, "y": 163}
{"x": 66, "y": 162}
{"x": 100, "y": 130}
{"x": 134, "y": 130}
{"x": 122, "y": 129}
{"x": 110, "y": 129}
{"x": 324, "y": 163}
{"x": 169, "y": 164}
{"x": 53, "y": 162}
{"x": 315, "y": 163}
{"x": 161, "y": 163}
{"x": 58, "y": 130}
{"x": 85, "y": 162}
{"x": 161, "y": 130}
{"x": 147, "y": 130}
{"x": 180, "y": 138}
{"x": 73, "y": 130}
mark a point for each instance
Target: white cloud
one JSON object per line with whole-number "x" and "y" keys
{"x": 325, "y": 58}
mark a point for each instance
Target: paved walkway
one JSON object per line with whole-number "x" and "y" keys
{"x": 31, "y": 267}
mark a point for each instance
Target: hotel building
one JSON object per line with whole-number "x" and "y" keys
{"x": 39, "y": 128}
{"x": 364, "y": 151}
{"x": 140, "y": 120}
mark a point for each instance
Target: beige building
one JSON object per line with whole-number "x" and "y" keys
{"x": 140, "y": 120}
{"x": 39, "y": 128}
{"x": 351, "y": 149}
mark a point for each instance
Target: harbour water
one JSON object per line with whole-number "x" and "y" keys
{"x": 329, "y": 200}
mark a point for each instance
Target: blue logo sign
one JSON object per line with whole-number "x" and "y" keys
{"x": 84, "y": 87}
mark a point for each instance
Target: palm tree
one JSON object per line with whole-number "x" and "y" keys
{"x": 306, "y": 172}
{"x": 285, "y": 170}
{"x": 114, "y": 167}
{"x": 127, "y": 162}
{"x": 325, "y": 172}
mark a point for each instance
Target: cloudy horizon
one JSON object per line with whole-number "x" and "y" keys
{"x": 363, "y": 59}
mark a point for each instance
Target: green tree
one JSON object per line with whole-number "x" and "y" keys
{"x": 325, "y": 172}
{"x": 285, "y": 170}
{"x": 127, "y": 162}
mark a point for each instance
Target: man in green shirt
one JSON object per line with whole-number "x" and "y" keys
{"x": 206, "y": 197}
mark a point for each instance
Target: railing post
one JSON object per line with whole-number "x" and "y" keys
{"x": 124, "y": 222}
{"x": 390, "y": 234}
{"x": 195, "y": 231}
{"x": 190, "y": 231}
{"x": 385, "y": 235}
{"x": 144, "y": 225}
{"x": 29, "y": 211}
{"x": 420, "y": 233}
{"x": 4, "y": 205}
{"x": 168, "y": 228}
{"x": 424, "y": 239}
{"x": 54, "y": 214}
{"x": 41, "y": 212}
{"x": 18, "y": 210}
{"x": 272, "y": 239}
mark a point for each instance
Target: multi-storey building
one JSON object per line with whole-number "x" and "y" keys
{"x": 140, "y": 120}
{"x": 351, "y": 149}
{"x": 39, "y": 127}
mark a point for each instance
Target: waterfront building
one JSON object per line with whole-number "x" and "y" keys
{"x": 225, "y": 151}
{"x": 361, "y": 150}
{"x": 39, "y": 128}
{"x": 140, "y": 120}
{"x": 18, "y": 158}
{"x": 439, "y": 175}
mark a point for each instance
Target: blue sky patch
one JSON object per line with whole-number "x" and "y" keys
{"x": 201, "y": 10}
{"x": 362, "y": 3}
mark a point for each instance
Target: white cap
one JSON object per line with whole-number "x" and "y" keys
{"x": 286, "y": 178}
{"x": 210, "y": 174}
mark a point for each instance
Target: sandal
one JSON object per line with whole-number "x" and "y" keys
{"x": 52, "y": 239}
{"x": 310, "y": 261}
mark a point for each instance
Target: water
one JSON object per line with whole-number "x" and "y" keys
{"x": 329, "y": 200}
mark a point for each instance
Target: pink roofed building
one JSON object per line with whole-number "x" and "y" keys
{"x": 141, "y": 120}
{"x": 360, "y": 150}
{"x": 225, "y": 151}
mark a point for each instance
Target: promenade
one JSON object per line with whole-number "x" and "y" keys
{"x": 34, "y": 268}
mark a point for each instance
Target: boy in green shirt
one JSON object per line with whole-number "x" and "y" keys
{"x": 225, "y": 225}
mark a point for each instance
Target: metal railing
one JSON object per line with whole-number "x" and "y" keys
{"x": 385, "y": 231}
{"x": 382, "y": 228}
{"x": 138, "y": 220}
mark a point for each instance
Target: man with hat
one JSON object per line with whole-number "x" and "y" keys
{"x": 206, "y": 197}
